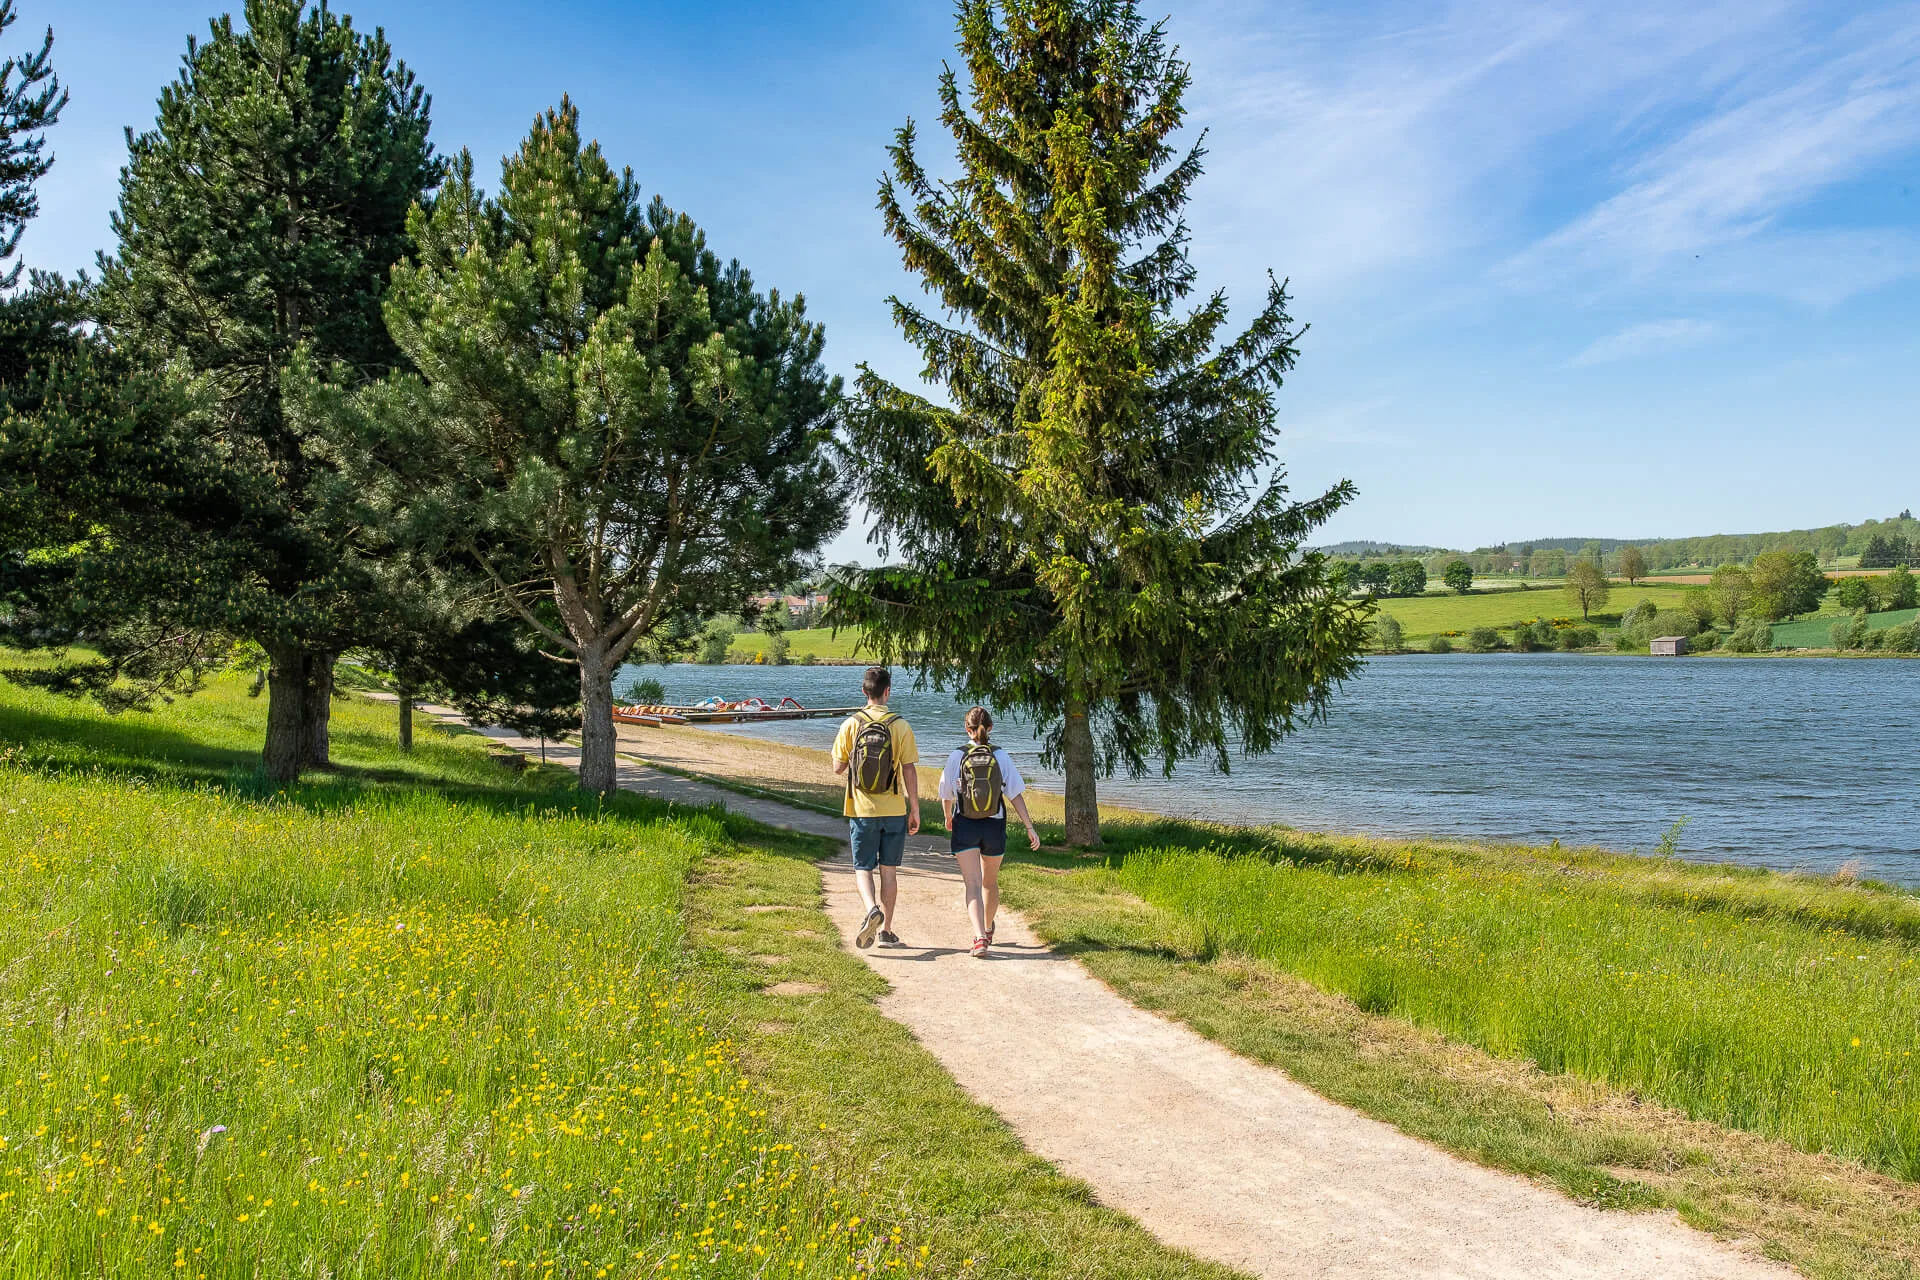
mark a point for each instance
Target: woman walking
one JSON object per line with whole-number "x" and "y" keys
{"x": 980, "y": 780}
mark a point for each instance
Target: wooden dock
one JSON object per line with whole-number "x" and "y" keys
{"x": 727, "y": 713}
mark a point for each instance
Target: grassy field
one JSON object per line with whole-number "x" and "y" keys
{"x": 1637, "y": 1031}
{"x": 420, "y": 1016}
{"x": 1424, "y": 616}
{"x": 1816, "y": 632}
{"x": 820, "y": 643}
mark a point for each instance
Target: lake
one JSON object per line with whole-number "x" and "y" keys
{"x": 1794, "y": 764}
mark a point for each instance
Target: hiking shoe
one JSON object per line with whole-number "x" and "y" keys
{"x": 979, "y": 947}
{"x": 869, "y": 927}
{"x": 888, "y": 938}
{"x": 990, "y": 929}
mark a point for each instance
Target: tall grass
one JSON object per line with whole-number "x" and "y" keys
{"x": 1768, "y": 1022}
{"x": 414, "y": 1019}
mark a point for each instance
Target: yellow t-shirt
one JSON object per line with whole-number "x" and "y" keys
{"x": 887, "y": 804}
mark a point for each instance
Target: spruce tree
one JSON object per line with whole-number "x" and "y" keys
{"x": 611, "y": 425}
{"x": 1093, "y": 526}
{"x": 31, "y": 100}
{"x": 262, "y": 214}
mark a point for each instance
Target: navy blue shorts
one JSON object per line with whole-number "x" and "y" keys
{"x": 988, "y": 835}
{"x": 877, "y": 842}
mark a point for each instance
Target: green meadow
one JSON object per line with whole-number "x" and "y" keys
{"x": 1424, "y": 616}
{"x": 420, "y": 1015}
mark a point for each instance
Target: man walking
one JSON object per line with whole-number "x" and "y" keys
{"x": 875, "y": 751}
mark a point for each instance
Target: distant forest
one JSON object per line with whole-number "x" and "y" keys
{"x": 1871, "y": 544}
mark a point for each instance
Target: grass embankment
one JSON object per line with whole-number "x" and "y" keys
{"x": 1637, "y": 1031}
{"x": 819, "y": 643}
{"x": 1817, "y": 632}
{"x": 418, "y": 1016}
{"x": 1423, "y": 617}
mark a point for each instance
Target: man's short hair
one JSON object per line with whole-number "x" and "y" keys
{"x": 876, "y": 682}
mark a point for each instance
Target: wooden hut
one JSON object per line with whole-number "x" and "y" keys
{"x": 1667, "y": 646}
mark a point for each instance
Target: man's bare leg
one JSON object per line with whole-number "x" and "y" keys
{"x": 889, "y": 894}
{"x": 863, "y": 880}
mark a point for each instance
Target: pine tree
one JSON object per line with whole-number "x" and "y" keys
{"x": 1086, "y": 530}
{"x": 615, "y": 428}
{"x": 31, "y": 100}
{"x": 261, "y": 215}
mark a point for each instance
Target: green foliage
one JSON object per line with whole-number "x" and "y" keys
{"x": 1732, "y": 591}
{"x": 645, "y": 691}
{"x": 1852, "y": 593}
{"x": 1697, "y": 602}
{"x": 1459, "y": 576}
{"x": 611, "y": 427}
{"x": 1897, "y": 590}
{"x": 716, "y": 640}
{"x": 1704, "y": 641}
{"x": 1632, "y": 564}
{"x": 262, "y": 214}
{"x": 1786, "y": 583}
{"x": 1092, "y": 526}
{"x": 1857, "y": 630}
{"x": 1387, "y": 632}
{"x": 1406, "y": 578}
{"x": 31, "y": 100}
{"x": 1483, "y": 640}
{"x": 1572, "y": 638}
{"x": 1439, "y": 644}
{"x": 1587, "y": 587}
{"x": 1752, "y": 636}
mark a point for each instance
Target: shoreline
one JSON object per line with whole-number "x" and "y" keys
{"x": 794, "y": 773}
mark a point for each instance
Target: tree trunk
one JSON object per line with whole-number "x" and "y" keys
{"x": 286, "y": 744}
{"x": 406, "y": 716}
{"x": 317, "y": 703}
{"x": 596, "y": 721}
{"x": 1083, "y": 804}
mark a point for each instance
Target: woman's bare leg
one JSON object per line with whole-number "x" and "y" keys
{"x": 990, "y": 892}
{"x": 970, "y": 860}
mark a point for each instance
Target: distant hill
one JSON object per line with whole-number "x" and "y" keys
{"x": 1829, "y": 543}
{"x": 1366, "y": 550}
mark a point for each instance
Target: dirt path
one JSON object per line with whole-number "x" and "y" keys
{"x": 1211, "y": 1152}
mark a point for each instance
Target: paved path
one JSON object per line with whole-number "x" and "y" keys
{"x": 1211, "y": 1152}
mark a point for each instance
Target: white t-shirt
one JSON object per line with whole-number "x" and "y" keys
{"x": 1012, "y": 784}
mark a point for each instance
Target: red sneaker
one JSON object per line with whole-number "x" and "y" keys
{"x": 979, "y": 947}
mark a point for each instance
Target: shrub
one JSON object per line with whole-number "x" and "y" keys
{"x": 1875, "y": 639}
{"x": 1857, "y": 632}
{"x": 1672, "y": 622}
{"x": 647, "y": 691}
{"x": 715, "y": 641}
{"x": 1898, "y": 590}
{"x": 1483, "y": 640}
{"x": 779, "y": 648}
{"x": 1904, "y": 638}
{"x": 1697, "y": 602}
{"x": 1704, "y": 641}
{"x": 1543, "y": 633}
{"x": 1573, "y": 638}
{"x": 1853, "y": 593}
{"x": 1641, "y": 615}
{"x": 1386, "y": 630}
{"x": 1840, "y": 634}
{"x": 808, "y": 659}
{"x": 1751, "y": 636}
{"x": 1439, "y": 644}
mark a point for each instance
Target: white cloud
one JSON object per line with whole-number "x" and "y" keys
{"x": 1732, "y": 176}
{"x": 1655, "y": 337}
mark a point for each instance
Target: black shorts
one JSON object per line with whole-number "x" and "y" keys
{"x": 988, "y": 835}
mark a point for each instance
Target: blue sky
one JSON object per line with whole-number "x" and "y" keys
{"x": 1612, "y": 269}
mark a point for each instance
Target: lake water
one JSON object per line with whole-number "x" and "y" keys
{"x": 1785, "y": 763}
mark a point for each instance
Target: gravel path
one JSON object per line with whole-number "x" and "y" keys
{"x": 1211, "y": 1152}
